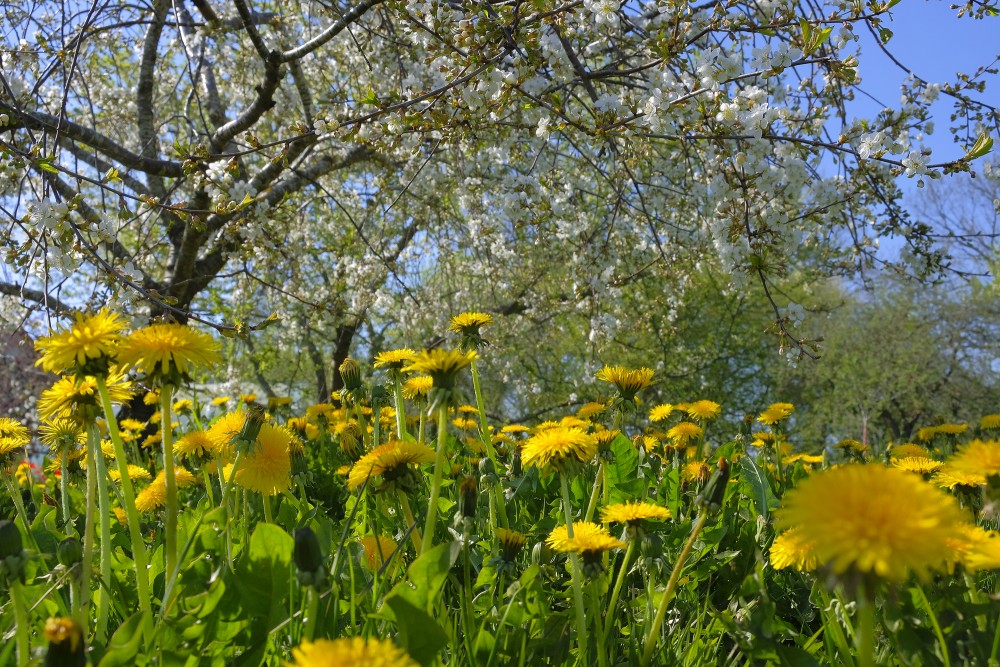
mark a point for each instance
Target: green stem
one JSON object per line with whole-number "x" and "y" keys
{"x": 267, "y": 508}
{"x": 619, "y": 580}
{"x": 397, "y": 393}
{"x": 866, "y": 633}
{"x": 595, "y": 611}
{"x": 432, "y": 503}
{"x": 361, "y": 425}
{"x": 598, "y": 483}
{"x": 484, "y": 436}
{"x": 15, "y": 495}
{"x": 170, "y": 510}
{"x": 668, "y": 592}
{"x": 577, "y": 574}
{"x": 87, "y": 564}
{"x": 224, "y": 504}
{"x": 64, "y": 490}
{"x": 312, "y": 609}
{"x": 833, "y": 625}
{"x": 404, "y": 504}
{"x": 20, "y": 624}
{"x": 101, "y": 628}
{"x": 934, "y": 624}
{"x": 421, "y": 426}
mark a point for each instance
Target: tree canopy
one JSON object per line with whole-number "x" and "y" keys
{"x": 368, "y": 169}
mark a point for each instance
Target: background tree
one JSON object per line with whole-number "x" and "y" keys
{"x": 378, "y": 166}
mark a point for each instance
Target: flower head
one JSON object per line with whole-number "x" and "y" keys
{"x": 196, "y": 444}
{"x": 702, "y": 410}
{"x": 661, "y": 412}
{"x": 790, "y": 549}
{"x": 418, "y": 386}
{"x": 167, "y": 353}
{"x": 86, "y": 347}
{"x": 77, "y": 398}
{"x": 61, "y": 435}
{"x": 775, "y": 413}
{"x": 350, "y": 652}
{"x": 391, "y": 462}
{"x": 592, "y": 409}
{"x": 683, "y": 433}
{"x": 634, "y": 514}
{"x": 979, "y": 456}
{"x": 908, "y": 449}
{"x": 872, "y": 519}
{"x": 377, "y": 550}
{"x": 976, "y": 548}
{"x": 918, "y": 464}
{"x": 589, "y": 540}
{"x": 989, "y": 422}
{"x": 468, "y": 325}
{"x": 267, "y": 467}
{"x": 557, "y": 447}
{"x": 13, "y": 435}
{"x": 628, "y": 381}
{"x": 949, "y": 478}
{"x": 394, "y": 360}
{"x": 443, "y": 366}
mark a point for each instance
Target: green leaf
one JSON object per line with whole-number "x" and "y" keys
{"x": 427, "y": 575}
{"x": 983, "y": 145}
{"x": 621, "y": 473}
{"x": 757, "y": 487}
{"x": 419, "y": 633}
{"x": 262, "y": 575}
{"x": 125, "y": 643}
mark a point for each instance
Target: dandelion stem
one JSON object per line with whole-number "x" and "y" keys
{"x": 397, "y": 394}
{"x": 668, "y": 592}
{"x": 598, "y": 483}
{"x": 15, "y": 495}
{"x": 613, "y": 602}
{"x": 170, "y": 510}
{"x": 576, "y": 572}
{"x": 484, "y": 436}
{"x": 20, "y": 624}
{"x": 595, "y": 611}
{"x": 432, "y": 503}
{"x": 267, "y": 508}
{"x": 131, "y": 513}
{"x": 404, "y": 504}
{"x": 103, "y": 601}
{"x": 64, "y": 490}
{"x": 935, "y": 625}
{"x": 866, "y": 632}
{"x": 86, "y": 566}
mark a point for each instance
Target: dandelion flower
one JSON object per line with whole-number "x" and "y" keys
{"x": 557, "y": 446}
{"x": 442, "y": 365}
{"x": 703, "y": 410}
{"x": 394, "y": 360}
{"x": 592, "y": 409}
{"x": 267, "y": 466}
{"x": 949, "y": 478}
{"x": 61, "y": 434}
{"x": 85, "y": 347}
{"x": 350, "y": 652}
{"x": 183, "y": 406}
{"x": 684, "y": 432}
{"x": 13, "y": 435}
{"x": 152, "y": 497}
{"x": 918, "y": 464}
{"x": 511, "y": 543}
{"x": 134, "y": 473}
{"x": 634, "y": 513}
{"x": 989, "y": 422}
{"x": 908, "y": 449}
{"x": 661, "y": 412}
{"x": 872, "y": 519}
{"x": 790, "y": 549}
{"x": 979, "y": 456}
{"x": 418, "y": 386}
{"x": 468, "y": 325}
{"x": 391, "y": 462}
{"x": 377, "y": 550}
{"x": 196, "y": 444}
{"x": 628, "y": 381}
{"x": 220, "y": 401}
{"x": 696, "y": 471}
{"x": 168, "y": 352}
{"x": 589, "y": 540}
{"x": 77, "y": 397}
{"x": 976, "y": 548}
{"x": 776, "y": 412}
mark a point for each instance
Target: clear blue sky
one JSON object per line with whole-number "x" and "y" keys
{"x": 931, "y": 41}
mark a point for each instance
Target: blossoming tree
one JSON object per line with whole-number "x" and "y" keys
{"x": 361, "y": 164}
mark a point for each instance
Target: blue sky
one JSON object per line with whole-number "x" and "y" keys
{"x": 930, "y": 40}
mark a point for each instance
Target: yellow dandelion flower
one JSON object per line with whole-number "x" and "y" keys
{"x": 927, "y": 433}
{"x": 278, "y": 401}
{"x": 952, "y": 429}
{"x": 377, "y": 550}
{"x": 976, "y": 548}
{"x": 134, "y": 473}
{"x": 696, "y": 471}
{"x": 511, "y": 542}
{"x": 220, "y": 401}
{"x": 197, "y": 444}
{"x": 979, "y": 457}
{"x": 661, "y": 412}
{"x": 267, "y": 466}
{"x": 633, "y": 512}
{"x": 61, "y": 434}
{"x": 776, "y": 412}
{"x": 791, "y": 549}
{"x": 151, "y": 397}
{"x": 418, "y": 386}
{"x": 168, "y": 352}
{"x": 248, "y": 398}
{"x": 121, "y": 515}
{"x": 152, "y": 497}
{"x": 394, "y": 359}
{"x": 350, "y": 652}
{"x": 684, "y": 432}
{"x": 183, "y": 406}
{"x": 918, "y": 464}
{"x": 588, "y": 539}
{"x": 442, "y": 365}
{"x": 627, "y": 381}
{"x": 465, "y": 323}
{"x": 515, "y": 428}
{"x": 870, "y": 518}
{"x": 703, "y": 410}
{"x": 77, "y": 398}
{"x": 989, "y": 422}
{"x": 132, "y": 424}
{"x": 591, "y": 409}
{"x": 465, "y": 423}
{"x": 389, "y": 461}
{"x": 949, "y": 478}
{"x": 558, "y": 445}
{"x": 222, "y": 432}
{"x": 13, "y": 435}
{"x": 848, "y": 444}
{"x": 808, "y": 459}
{"x": 85, "y": 347}
{"x": 908, "y": 449}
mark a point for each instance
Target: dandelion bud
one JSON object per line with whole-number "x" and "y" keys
{"x": 70, "y": 552}
{"x": 350, "y": 374}
{"x": 10, "y": 539}
{"x": 468, "y": 491}
{"x": 246, "y": 439}
{"x": 66, "y": 646}
{"x": 308, "y": 557}
{"x": 714, "y": 492}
